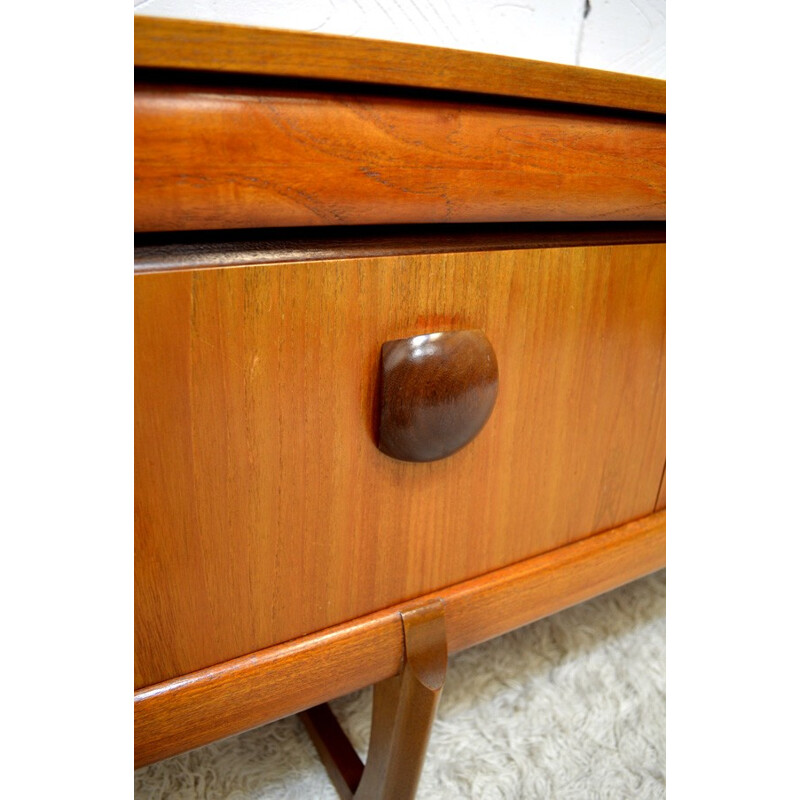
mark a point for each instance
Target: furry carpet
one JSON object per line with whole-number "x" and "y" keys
{"x": 569, "y": 708}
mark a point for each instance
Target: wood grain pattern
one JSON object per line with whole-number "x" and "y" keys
{"x": 260, "y": 492}
{"x": 196, "y": 709}
{"x": 182, "y": 44}
{"x": 243, "y": 158}
{"x": 436, "y": 392}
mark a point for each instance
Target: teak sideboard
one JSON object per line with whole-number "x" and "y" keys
{"x": 399, "y": 372}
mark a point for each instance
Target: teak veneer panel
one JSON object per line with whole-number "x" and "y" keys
{"x": 244, "y": 158}
{"x": 264, "y": 510}
{"x": 183, "y": 44}
{"x": 229, "y": 698}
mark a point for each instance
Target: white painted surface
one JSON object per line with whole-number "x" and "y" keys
{"x": 626, "y": 36}
{"x": 620, "y": 35}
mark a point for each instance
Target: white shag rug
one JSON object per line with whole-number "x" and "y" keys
{"x": 568, "y": 708}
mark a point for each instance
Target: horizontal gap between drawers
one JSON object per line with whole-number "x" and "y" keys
{"x": 155, "y": 252}
{"x": 148, "y": 77}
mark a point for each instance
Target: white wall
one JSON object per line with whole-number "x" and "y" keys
{"x": 619, "y": 35}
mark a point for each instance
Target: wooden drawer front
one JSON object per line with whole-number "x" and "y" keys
{"x": 239, "y": 158}
{"x": 264, "y": 511}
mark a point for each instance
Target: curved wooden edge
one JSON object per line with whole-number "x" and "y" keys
{"x": 220, "y": 701}
{"x": 161, "y": 252}
{"x": 220, "y": 159}
{"x": 183, "y": 44}
{"x": 403, "y": 708}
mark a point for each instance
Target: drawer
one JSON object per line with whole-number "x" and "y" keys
{"x": 265, "y": 511}
{"x": 235, "y": 156}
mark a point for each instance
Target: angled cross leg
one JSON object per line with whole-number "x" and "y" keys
{"x": 403, "y": 709}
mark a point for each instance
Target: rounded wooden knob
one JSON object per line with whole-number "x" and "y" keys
{"x": 437, "y": 391}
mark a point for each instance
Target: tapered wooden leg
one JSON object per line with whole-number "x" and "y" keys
{"x": 403, "y": 709}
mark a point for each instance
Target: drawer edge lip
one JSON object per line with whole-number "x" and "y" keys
{"x": 165, "y": 252}
{"x": 229, "y": 698}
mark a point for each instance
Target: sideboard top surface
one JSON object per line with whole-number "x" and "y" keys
{"x": 193, "y": 45}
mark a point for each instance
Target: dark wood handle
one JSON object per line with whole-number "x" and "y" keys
{"x": 437, "y": 391}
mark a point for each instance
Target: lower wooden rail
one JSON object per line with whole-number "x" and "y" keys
{"x": 199, "y": 708}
